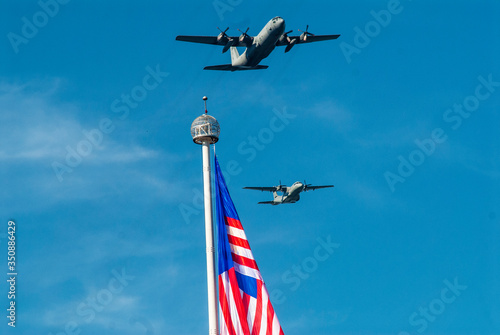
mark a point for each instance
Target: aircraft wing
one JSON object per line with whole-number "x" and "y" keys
{"x": 198, "y": 39}
{"x": 312, "y": 188}
{"x": 309, "y": 39}
{"x": 209, "y": 40}
{"x": 270, "y": 189}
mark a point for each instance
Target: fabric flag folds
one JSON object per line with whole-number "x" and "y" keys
{"x": 244, "y": 305}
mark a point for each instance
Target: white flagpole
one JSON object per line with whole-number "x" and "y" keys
{"x": 205, "y": 130}
{"x": 209, "y": 237}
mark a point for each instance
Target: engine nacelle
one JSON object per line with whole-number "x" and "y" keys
{"x": 245, "y": 39}
{"x": 222, "y": 38}
{"x": 283, "y": 39}
{"x": 290, "y": 45}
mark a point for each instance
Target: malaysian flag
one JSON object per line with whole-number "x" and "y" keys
{"x": 244, "y": 302}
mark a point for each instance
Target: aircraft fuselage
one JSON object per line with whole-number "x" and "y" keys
{"x": 292, "y": 195}
{"x": 263, "y": 44}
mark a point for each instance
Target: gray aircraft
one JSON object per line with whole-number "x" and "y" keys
{"x": 289, "y": 195}
{"x": 257, "y": 47}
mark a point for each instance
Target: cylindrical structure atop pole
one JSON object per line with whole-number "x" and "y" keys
{"x": 205, "y": 131}
{"x": 209, "y": 237}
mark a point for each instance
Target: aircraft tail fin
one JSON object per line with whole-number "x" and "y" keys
{"x": 229, "y": 67}
{"x": 234, "y": 55}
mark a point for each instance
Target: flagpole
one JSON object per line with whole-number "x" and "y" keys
{"x": 209, "y": 237}
{"x": 205, "y": 130}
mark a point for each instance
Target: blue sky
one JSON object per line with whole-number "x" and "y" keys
{"x": 114, "y": 242}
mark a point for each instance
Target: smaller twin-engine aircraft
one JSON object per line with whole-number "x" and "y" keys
{"x": 289, "y": 195}
{"x": 257, "y": 47}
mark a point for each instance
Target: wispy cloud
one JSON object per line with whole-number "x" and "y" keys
{"x": 471, "y": 159}
{"x": 39, "y": 127}
{"x": 34, "y": 123}
{"x": 336, "y": 115}
{"x": 324, "y": 318}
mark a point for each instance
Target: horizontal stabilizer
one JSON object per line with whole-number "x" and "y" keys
{"x": 267, "y": 202}
{"x": 229, "y": 67}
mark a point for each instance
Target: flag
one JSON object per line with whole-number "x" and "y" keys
{"x": 244, "y": 305}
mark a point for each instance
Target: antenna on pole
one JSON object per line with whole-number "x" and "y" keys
{"x": 205, "y": 100}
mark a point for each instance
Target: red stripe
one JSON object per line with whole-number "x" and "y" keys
{"x": 270, "y": 316}
{"x": 245, "y": 261}
{"x": 234, "y": 223}
{"x": 246, "y": 303}
{"x": 225, "y": 307}
{"x": 238, "y": 241}
{"x": 237, "y": 300}
{"x": 258, "y": 310}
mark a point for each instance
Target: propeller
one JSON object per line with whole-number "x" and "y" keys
{"x": 304, "y": 34}
{"x": 306, "y": 185}
{"x": 225, "y": 39}
{"x": 223, "y": 33}
{"x": 279, "y": 187}
{"x": 244, "y": 38}
{"x": 246, "y": 31}
{"x": 244, "y": 34}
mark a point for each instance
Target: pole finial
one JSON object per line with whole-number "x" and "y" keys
{"x": 205, "y": 100}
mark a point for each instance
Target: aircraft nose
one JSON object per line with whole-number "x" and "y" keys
{"x": 281, "y": 25}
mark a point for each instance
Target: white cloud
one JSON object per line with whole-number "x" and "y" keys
{"x": 38, "y": 127}
{"x": 32, "y": 124}
{"x": 336, "y": 115}
{"x": 483, "y": 164}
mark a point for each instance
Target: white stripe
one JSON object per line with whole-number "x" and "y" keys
{"x": 241, "y": 251}
{"x": 274, "y": 318}
{"x": 263, "y": 322}
{"x": 230, "y": 302}
{"x": 236, "y": 232}
{"x": 245, "y": 270}
{"x": 251, "y": 312}
{"x": 276, "y": 325}
{"x": 222, "y": 322}
{"x": 265, "y": 293}
{"x": 232, "y": 306}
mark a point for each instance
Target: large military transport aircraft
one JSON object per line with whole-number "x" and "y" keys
{"x": 257, "y": 47}
{"x": 290, "y": 195}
